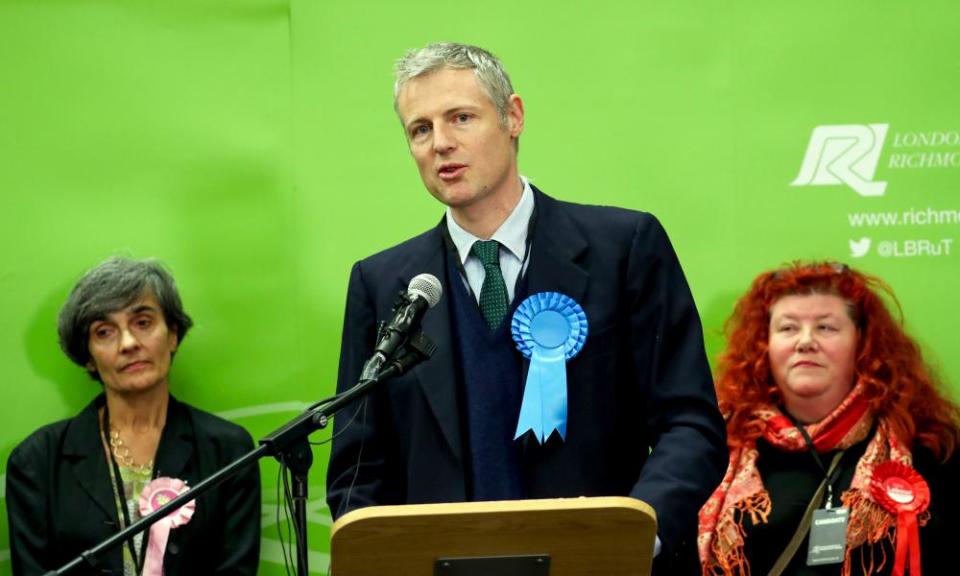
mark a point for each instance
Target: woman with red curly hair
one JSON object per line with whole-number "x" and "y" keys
{"x": 841, "y": 443}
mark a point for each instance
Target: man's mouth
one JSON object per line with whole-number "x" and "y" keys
{"x": 451, "y": 171}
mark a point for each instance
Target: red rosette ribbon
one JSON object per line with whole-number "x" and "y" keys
{"x": 157, "y": 493}
{"x": 904, "y": 493}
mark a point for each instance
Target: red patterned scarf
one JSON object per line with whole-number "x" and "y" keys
{"x": 742, "y": 493}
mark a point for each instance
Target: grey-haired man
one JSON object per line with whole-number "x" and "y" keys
{"x": 642, "y": 418}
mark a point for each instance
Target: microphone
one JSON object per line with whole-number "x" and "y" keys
{"x": 423, "y": 292}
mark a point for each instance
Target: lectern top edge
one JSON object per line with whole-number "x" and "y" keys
{"x": 497, "y": 507}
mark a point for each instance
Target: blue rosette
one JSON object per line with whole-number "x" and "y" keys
{"x": 549, "y": 329}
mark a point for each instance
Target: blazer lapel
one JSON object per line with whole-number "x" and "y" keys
{"x": 176, "y": 442}
{"x": 555, "y": 249}
{"x": 83, "y": 450}
{"x": 437, "y": 376}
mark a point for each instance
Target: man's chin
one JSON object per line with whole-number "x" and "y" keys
{"x": 455, "y": 196}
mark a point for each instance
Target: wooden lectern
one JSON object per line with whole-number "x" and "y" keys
{"x": 607, "y": 536}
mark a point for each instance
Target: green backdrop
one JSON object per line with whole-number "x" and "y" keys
{"x": 251, "y": 145}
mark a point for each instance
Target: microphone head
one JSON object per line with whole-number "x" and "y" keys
{"x": 427, "y": 286}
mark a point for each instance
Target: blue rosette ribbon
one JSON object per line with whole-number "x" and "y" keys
{"x": 549, "y": 329}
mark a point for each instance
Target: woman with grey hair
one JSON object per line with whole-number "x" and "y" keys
{"x": 74, "y": 483}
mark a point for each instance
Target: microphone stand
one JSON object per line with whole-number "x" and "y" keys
{"x": 288, "y": 444}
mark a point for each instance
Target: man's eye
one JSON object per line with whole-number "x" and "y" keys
{"x": 420, "y": 130}
{"x": 461, "y": 118}
{"x": 144, "y": 322}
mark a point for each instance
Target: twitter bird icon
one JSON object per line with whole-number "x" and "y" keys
{"x": 859, "y": 248}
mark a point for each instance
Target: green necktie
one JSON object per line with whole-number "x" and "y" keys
{"x": 493, "y": 294}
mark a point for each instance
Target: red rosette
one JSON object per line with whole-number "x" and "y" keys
{"x": 903, "y": 492}
{"x": 899, "y": 488}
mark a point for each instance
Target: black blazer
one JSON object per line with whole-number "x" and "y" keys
{"x": 642, "y": 413}
{"x": 60, "y": 501}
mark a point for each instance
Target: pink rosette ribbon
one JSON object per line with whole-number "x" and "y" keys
{"x": 157, "y": 493}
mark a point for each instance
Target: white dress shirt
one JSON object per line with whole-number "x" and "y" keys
{"x": 512, "y": 236}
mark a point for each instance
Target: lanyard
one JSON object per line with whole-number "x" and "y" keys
{"x": 138, "y": 560}
{"x": 830, "y": 473}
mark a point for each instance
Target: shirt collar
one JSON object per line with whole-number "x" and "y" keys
{"x": 512, "y": 234}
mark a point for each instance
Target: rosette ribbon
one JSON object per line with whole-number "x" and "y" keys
{"x": 549, "y": 328}
{"x": 905, "y": 494}
{"x": 157, "y": 493}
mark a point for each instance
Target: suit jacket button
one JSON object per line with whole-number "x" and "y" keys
{"x": 173, "y": 549}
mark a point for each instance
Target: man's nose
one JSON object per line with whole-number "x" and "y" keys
{"x": 443, "y": 138}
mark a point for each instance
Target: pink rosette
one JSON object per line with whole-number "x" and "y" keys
{"x": 154, "y": 495}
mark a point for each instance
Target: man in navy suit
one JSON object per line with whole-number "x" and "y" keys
{"x": 642, "y": 417}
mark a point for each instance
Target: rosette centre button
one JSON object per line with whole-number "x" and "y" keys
{"x": 550, "y": 329}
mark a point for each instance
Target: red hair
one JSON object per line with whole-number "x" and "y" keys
{"x": 889, "y": 364}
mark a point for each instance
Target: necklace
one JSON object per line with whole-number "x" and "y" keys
{"x": 122, "y": 454}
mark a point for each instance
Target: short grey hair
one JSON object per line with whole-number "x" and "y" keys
{"x": 447, "y": 55}
{"x": 110, "y": 286}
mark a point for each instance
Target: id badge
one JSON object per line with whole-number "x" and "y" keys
{"x": 828, "y": 536}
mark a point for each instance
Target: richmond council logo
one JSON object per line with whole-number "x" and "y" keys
{"x": 844, "y": 154}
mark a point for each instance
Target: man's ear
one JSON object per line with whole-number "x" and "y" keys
{"x": 515, "y": 116}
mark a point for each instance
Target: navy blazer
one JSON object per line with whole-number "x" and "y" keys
{"x": 642, "y": 412}
{"x": 60, "y": 500}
